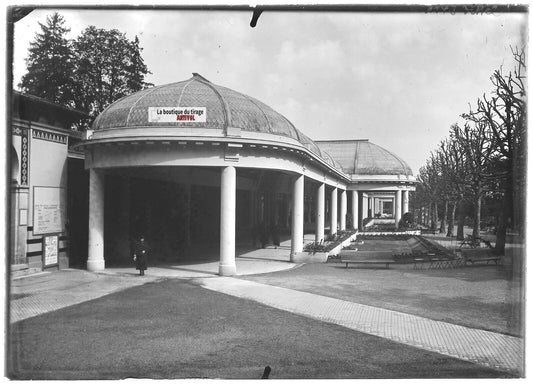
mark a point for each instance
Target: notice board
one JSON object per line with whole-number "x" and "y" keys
{"x": 50, "y": 251}
{"x": 49, "y": 210}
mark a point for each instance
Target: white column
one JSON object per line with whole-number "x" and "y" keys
{"x": 228, "y": 197}
{"x": 334, "y": 211}
{"x": 297, "y": 215}
{"x": 343, "y": 210}
{"x": 405, "y": 206}
{"x": 365, "y": 207}
{"x": 95, "y": 259}
{"x": 398, "y": 207}
{"x": 355, "y": 209}
{"x": 320, "y": 212}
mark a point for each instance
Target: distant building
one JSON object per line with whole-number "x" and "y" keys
{"x": 194, "y": 165}
{"x": 48, "y": 186}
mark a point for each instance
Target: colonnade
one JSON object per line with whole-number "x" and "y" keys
{"x": 399, "y": 201}
{"x": 228, "y": 189}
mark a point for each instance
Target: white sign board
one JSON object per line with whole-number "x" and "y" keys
{"x": 177, "y": 114}
{"x": 50, "y": 250}
{"x": 49, "y": 210}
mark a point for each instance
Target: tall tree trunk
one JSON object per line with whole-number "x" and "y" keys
{"x": 503, "y": 216}
{"x": 444, "y": 219}
{"x": 430, "y": 216}
{"x": 451, "y": 220}
{"x": 460, "y": 220}
{"x": 435, "y": 219}
{"x": 477, "y": 215}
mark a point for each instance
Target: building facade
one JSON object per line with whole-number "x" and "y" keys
{"x": 196, "y": 164}
{"x": 48, "y": 184}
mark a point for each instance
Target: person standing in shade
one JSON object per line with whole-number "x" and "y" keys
{"x": 140, "y": 255}
{"x": 264, "y": 235}
{"x": 274, "y": 231}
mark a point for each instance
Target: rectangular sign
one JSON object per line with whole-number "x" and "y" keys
{"x": 177, "y": 114}
{"x": 49, "y": 210}
{"x": 50, "y": 251}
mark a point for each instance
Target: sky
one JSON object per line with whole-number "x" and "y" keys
{"x": 399, "y": 80}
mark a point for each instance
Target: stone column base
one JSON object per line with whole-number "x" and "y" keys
{"x": 95, "y": 265}
{"x": 227, "y": 269}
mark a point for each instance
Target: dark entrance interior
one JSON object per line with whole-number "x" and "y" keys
{"x": 77, "y": 212}
{"x": 387, "y": 207}
{"x": 179, "y": 221}
{"x": 177, "y": 212}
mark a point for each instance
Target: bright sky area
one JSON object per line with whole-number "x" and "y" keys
{"x": 398, "y": 79}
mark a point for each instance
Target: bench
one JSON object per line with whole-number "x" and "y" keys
{"x": 475, "y": 242}
{"x": 438, "y": 261}
{"x": 347, "y": 254}
{"x": 472, "y": 256}
{"x": 496, "y": 260}
{"x": 374, "y": 262}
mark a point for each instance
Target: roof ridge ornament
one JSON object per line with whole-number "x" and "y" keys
{"x": 196, "y": 75}
{"x": 225, "y": 109}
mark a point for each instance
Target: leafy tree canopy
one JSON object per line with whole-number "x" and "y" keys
{"x": 87, "y": 73}
{"x": 49, "y": 62}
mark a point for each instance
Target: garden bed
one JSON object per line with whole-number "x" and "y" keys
{"x": 319, "y": 252}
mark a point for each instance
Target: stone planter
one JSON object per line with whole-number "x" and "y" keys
{"x": 383, "y": 233}
{"x": 310, "y": 257}
{"x": 335, "y": 251}
{"x": 321, "y": 257}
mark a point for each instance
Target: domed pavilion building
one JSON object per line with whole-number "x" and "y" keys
{"x": 196, "y": 164}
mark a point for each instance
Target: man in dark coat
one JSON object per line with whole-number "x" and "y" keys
{"x": 263, "y": 235}
{"x": 140, "y": 255}
{"x": 274, "y": 231}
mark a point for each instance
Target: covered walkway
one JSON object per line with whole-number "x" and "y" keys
{"x": 239, "y": 169}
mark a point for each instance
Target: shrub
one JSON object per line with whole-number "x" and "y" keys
{"x": 314, "y": 247}
{"x": 407, "y": 221}
{"x": 330, "y": 242}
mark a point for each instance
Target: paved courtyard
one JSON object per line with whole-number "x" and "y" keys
{"x": 475, "y": 329}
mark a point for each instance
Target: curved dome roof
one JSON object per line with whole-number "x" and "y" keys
{"x": 365, "y": 158}
{"x": 224, "y": 108}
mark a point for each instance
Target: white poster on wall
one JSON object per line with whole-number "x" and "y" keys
{"x": 50, "y": 250}
{"x": 49, "y": 210}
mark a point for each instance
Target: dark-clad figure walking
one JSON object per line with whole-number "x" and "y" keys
{"x": 141, "y": 252}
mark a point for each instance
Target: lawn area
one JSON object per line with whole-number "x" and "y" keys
{"x": 174, "y": 329}
{"x": 480, "y": 297}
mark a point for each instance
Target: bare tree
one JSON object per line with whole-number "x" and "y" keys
{"x": 503, "y": 115}
{"x": 477, "y": 147}
{"x": 450, "y": 161}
